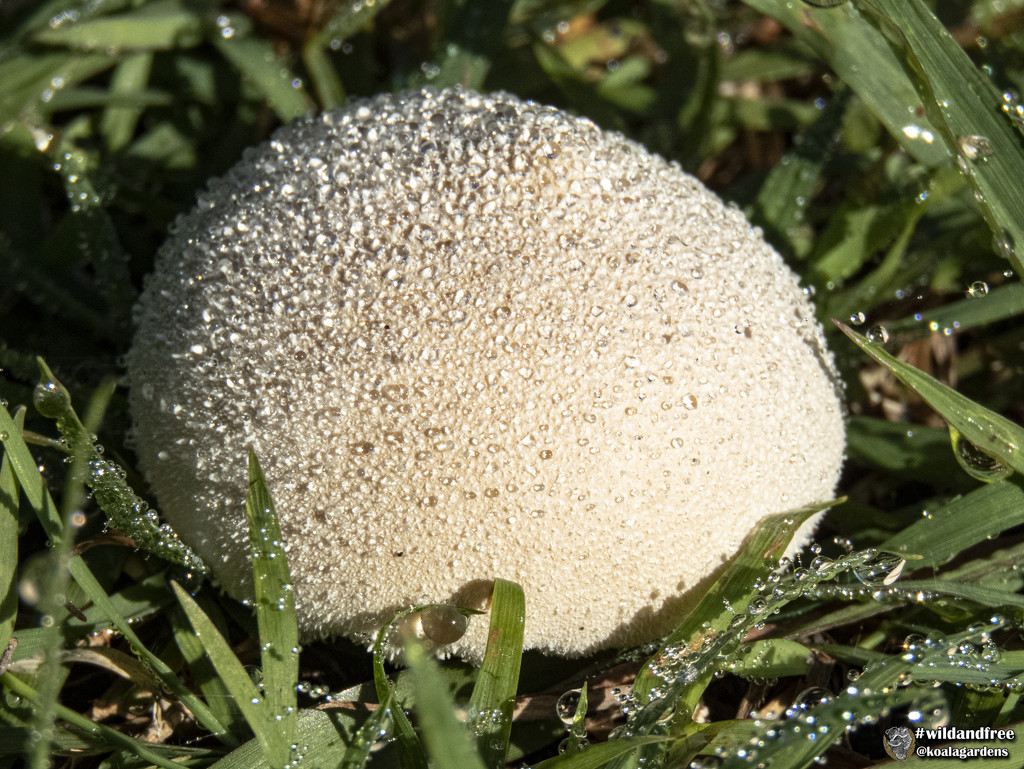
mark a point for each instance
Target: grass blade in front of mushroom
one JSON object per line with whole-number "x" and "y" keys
{"x": 248, "y": 698}
{"x": 126, "y": 511}
{"x": 576, "y": 740}
{"x": 980, "y": 127}
{"x": 447, "y": 741}
{"x": 494, "y": 694}
{"x": 989, "y": 433}
{"x": 203, "y": 673}
{"x": 710, "y": 620}
{"x": 675, "y": 677}
{"x": 409, "y": 746}
{"x": 275, "y": 606}
{"x": 373, "y": 729}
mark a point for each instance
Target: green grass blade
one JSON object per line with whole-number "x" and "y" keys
{"x": 135, "y": 602}
{"x": 448, "y": 743}
{"x": 31, "y": 480}
{"x": 275, "y": 606}
{"x": 100, "y": 732}
{"x": 494, "y": 695}
{"x": 346, "y": 21}
{"x": 325, "y": 736}
{"x": 9, "y": 497}
{"x": 88, "y": 582}
{"x": 863, "y": 60}
{"x": 130, "y": 77}
{"x": 325, "y": 77}
{"x": 97, "y": 236}
{"x": 999, "y": 304}
{"x": 758, "y": 556}
{"x": 597, "y": 756}
{"x": 54, "y": 588}
{"x": 255, "y": 59}
{"x": 236, "y": 680}
{"x": 158, "y": 26}
{"x": 952, "y": 528}
{"x": 916, "y": 451}
{"x": 773, "y": 658}
{"x": 982, "y": 596}
{"x": 472, "y": 35}
{"x": 28, "y": 77}
{"x": 962, "y": 101}
{"x": 787, "y": 191}
{"x": 127, "y": 512}
{"x": 216, "y": 694}
{"x": 409, "y": 745}
{"x": 368, "y": 735}
{"x": 989, "y": 432}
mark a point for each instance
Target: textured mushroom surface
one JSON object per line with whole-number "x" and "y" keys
{"x": 473, "y": 337}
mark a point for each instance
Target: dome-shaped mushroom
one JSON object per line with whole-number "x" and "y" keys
{"x": 474, "y": 337}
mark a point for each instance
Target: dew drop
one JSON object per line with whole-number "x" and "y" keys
{"x": 1003, "y": 245}
{"x": 812, "y": 697}
{"x": 566, "y": 706}
{"x": 443, "y": 624}
{"x": 858, "y": 318}
{"x": 977, "y": 289}
{"x": 975, "y": 147}
{"x": 878, "y": 334}
{"x": 975, "y": 461}
{"x": 881, "y": 570}
{"x": 50, "y": 399}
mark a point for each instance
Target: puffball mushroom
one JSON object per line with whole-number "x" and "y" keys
{"x": 473, "y": 337}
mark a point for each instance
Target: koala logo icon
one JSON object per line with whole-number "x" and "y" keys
{"x": 898, "y": 742}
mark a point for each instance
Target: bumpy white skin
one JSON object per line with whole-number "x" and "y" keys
{"x": 471, "y": 337}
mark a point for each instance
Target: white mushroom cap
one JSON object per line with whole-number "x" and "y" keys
{"x": 473, "y": 337}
